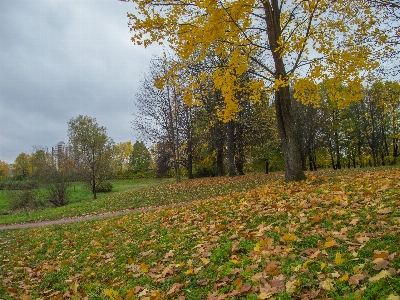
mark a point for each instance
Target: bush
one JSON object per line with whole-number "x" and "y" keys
{"x": 15, "y": 185}
{"x": 58, "y": 183}
{"x": 58, "y": 193}
{"x": 24, "y": 200}
{"x": 104, "y": 187}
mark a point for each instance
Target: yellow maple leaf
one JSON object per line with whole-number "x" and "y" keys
{"x": 323, "y": 265}
{"x": 330, "y": 243}
{"x": 289, "y": 237}
{"x": 189, "y": 272}
{"x": 204, "y": 260}
{"x": 338, "y": 259}
{"x": 114, "y": 295}
{"x": 345, "y": 277}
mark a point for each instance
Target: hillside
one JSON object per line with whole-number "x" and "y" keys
{"x": 332, "y": 236}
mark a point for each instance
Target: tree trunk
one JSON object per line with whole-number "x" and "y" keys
{"x": 231, "y": 148}
{"x": 190, "y": 159}
{"x": 287, "y": 132}
{"x": 219, "y": 162}
{"x": 283, "y": 106}
{"x": 240, "y": 157}
{"x": 94, "y": 186}
{"x": 395, "y": 149}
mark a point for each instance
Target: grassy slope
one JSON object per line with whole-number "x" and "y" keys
{"x": 79, "y": 192}
{"x": 328, "y": 237}
{"x": 145, "y": 197}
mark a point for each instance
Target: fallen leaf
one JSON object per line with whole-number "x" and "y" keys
{"x": 380, "y": 254}
{"x": 380, "y": 263}
{"x": 189, "y": 272}
{"x": 291, "y": 285}
{"x": 355, "y": 279}
{"x": 273, "y": 268}
{"x": 174, "y": 288}
{"x": 338, "y": 259}
{"x": 330, "y": 243}
{"x": 289, "y": 237}
{"x": 245, "y": 288}
{"x": 385, "y": 211}
{"x": 327, "y": 284}
{"x": 345, "y": 277}
{"x": 264, "y": 295}
{"x": 114, "y": 295}
{"x": 382, "y": 274}
{"x": 203, "y": 282}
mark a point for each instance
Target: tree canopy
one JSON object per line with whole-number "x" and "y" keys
{"x": 92, "y": 149}
{"x": 287, "y": 42}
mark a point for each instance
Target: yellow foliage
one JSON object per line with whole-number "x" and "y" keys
{"x": 336, "y": 42}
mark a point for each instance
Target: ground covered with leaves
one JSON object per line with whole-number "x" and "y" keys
{"x": 328, "y": 237}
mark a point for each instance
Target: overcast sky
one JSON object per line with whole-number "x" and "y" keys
{"x": 60, "y": 59}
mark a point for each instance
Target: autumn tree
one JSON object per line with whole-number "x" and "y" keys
{"x": 41, "y": 161}
{"x": 22, "y": 167}
{"x": 140, "y": 158}
{"x": 121, "y": 158}
{"x": 92, "y": 149}
{"x": 4, "y": 169}
{"x": 291, "y": 42}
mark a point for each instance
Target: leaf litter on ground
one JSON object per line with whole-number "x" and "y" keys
{"x": 331, "y": 236}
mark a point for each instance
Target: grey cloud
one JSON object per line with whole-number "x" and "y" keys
{"x": 62, "y": 58}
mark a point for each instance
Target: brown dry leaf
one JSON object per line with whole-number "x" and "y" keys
{"x": 245, "y": 288}
{"x": 273, "y": 268}
{"x": 277, "y": 282}
{"x": 147, "y": 253}
{"x": 168, "y": 271}
{"x": 380, "y": 254}
{"x": 169, "y": 255}
{"x": 355, "y": 279}
{"x": 176, "y": 287}
{"x": 203, "y": 282}
{"x": 380, "y": 264}
{"x": 291, "y": 285}
{"x": 385, "y": 210}
{"x": 362, "y": 238}
{"x": 238, "y": 282}
{"x": 257, "y": 277}
{"x": 235, "y": 247}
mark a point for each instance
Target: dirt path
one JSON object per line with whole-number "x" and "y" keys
{"x": 86, "y": 218}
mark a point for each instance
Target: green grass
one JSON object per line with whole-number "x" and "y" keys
{"x": 273, "y": 239}
{"x": 142, "y": 195}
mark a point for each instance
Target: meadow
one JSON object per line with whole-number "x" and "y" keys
{"x": 335, "y": 235}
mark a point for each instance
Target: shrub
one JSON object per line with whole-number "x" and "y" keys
{"x": 58, "y": 193}
{"x": 14, "y": 185}
{"x": 24, "y": 200}
{"x": 104, "y": 187}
